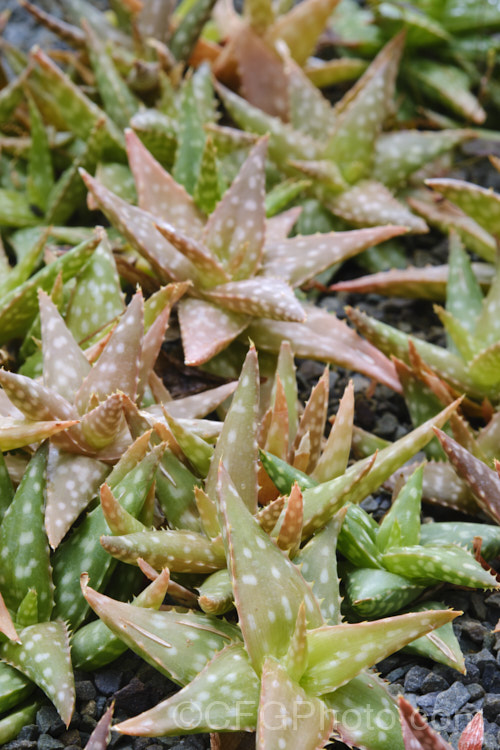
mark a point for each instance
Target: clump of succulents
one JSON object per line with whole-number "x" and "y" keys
{"x": 242, "y": 276}
{"x": 354, "y": 166}
{"x": 446, "y": 37}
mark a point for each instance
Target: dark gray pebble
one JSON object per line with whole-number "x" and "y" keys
{"x": 46, "y": 742}
{"x": 18, "y": 744}
{"x": 433, "y": 682}
{"x": 450, "y": 701}
{"x": 489, "y": 742}
{"x": 108, "y": 681}
{"x": 473, "y": 629}
{"x": 427, "y": 702}
{"x": 49, "y": 721}
{"x": 85, "y": 690}
{"x": 482, "y": 658}
{"x": 414, "y": 679}
{"x": 475, "y": 690}
{"x": 29, "y": 732}
{"x": 491, "y": 706}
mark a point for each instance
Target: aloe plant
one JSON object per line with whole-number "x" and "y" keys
{"x": 239, "y": 279}
{"x": 354, "y": 166}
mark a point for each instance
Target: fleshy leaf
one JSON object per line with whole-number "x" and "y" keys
{"x": 267, "y": 615}
{"x": 207, "y": 329}
{"x": 335, "y": 454}
{"x": 240, "y": 428}
{"x": 406, "y": 512}
{"x": 213, "y": 697}
{"x": 481, "y": 203}
{"x": 117, "y": 369}
{"x": 338, "y": 652}
{"x": 280, "y": 699}
{"x": 25, "y": 552}
{"x": 440, "y": 563}
{"x": 43, "y": 656}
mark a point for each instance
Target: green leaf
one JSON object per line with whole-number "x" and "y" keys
{"x": 43, "y": 656}
{"x": 405, "y": 512}
{"x": 377, "y": 593}
{"x": 40, "y": 172}
{"x": 25, "y": 551}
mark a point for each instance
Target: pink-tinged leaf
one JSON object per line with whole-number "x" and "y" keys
{"x": 138, "y": 228}
{"x": 6, "y": 625}
{"x": 301, "y": 27}
{"x": 444, "y": 215}
{"x": 370, "y": 203}
{"x": 178, "y": 644}
{"x": 180, "y": 551}
{"x": 206, "y": 329}
{"x": 235, "y": 230}
{"x": 261, "y": 296}
{"x": 417, "y": 734}
{"x": 279, "y": 227}
{"x": 212, "y": 696}
{"x": 268, "y": 588}
{"x": 159, "y": 193}
{"x": 43, "y": 655}
{"x": 322, "y": 501}
{"x": 288, "y": 715}
{"x": 99, "y": 739}
{"x": 298, "y": 259}
{"x": 16, "y": 434}
{"x": 34, "y": 400}
{"x": 151, "y": 345}
{"x": 290, "y": 533}
{"x": 117, "y": 369}
{"x": 483, "y": 481}
{"x": 328, "y": 339}
{"x": 360, "y": 115}
{"x": 338, "y": 653}
{"x": 117, "y": 518}
{"x": 240, "y": 428}
{"x": 277, "y": 437}
{"x": 441, "y": 486}
{"x": 200, "y": 404}
{"x": 335, "y": 455}
{"x": 102, "y": 425}
{"x": 267, "y": 516}
{"x": 64, "y": 364}
{"x": 285, "y": 370}
{"x": 473, "y": 734}
{"x": 314, "y": 417}
{"x": 260, "y": 70}
{"x": 414, "y": 283}
{"x": 302, "y": 454}
{"x": 72, "y": 482}
{"x": 482, "y": 204}
{"x": 209, "y": 271}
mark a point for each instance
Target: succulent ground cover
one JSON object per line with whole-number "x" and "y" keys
{"x": 155, "y": 193}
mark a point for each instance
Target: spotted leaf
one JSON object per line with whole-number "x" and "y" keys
{"x": 377, "y": 593}
{"x": 235, "y": 230}
{"x": 335, "y": 454}
{"x": 482, "y": 204}
{"x": 406, "y": 512}
{"x": 288, "y": 714}
{"x": 25, "y": 552}
{"x": 72, "y": 481}
{"x": 43, "y": 656}
{"x": 118, "y": 366}
{"x": 209, "y": 702}
{"x": 338, "y": 652}
{"x": 267, "y": 614}
{"x": 440, "y": 563}
{"x": 207, "y": 329}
